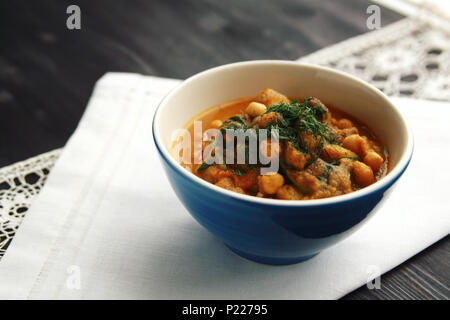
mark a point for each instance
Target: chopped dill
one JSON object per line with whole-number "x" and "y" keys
{"x": 299, "y": 123}
{"x": 204, "y": 166}
{"x": 234, "y": 123}
{"x": 352, "y": 158}
{"x": 325, "y": 174}
{"x": 243, "y": 115}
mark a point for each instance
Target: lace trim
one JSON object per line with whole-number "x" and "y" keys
{"x": 408, "y": 58}
{"x": 19, "y": 184}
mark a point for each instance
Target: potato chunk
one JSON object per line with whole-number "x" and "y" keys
{"x": 339, "y": 178}
{"x": 294, "y": 157}
{"x": 308, "y": 140}
{"x": 305, "y": 181}
{"x": 270, "y": 97}
{"x": 270, "y": 183}
{"x": 267, "y": 119}
{"x": 322, "y": 112}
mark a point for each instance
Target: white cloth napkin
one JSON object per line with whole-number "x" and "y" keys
{"x": 107, "y": 225}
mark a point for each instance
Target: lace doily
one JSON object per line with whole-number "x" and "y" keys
{"x": 408, "y": 58}
{"x": 19, "y": 184}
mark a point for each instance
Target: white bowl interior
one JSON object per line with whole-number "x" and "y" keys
{"x": 240, "y": 80}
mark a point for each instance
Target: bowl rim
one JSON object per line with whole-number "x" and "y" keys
{"x": 382, "y": 184}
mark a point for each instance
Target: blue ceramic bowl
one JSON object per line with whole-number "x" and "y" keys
{"x": 268, "y": 230}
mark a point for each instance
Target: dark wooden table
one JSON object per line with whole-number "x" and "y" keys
{"x": 47, "y": 72}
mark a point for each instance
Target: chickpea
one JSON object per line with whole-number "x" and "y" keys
{"x": 365, "y": 146}
{"x": 344, "y": 124}
{"x": 268, "y": 118}
{"x": 365, "y": 149}
{"x": 349, "y": 131}
{"x": 334, "y": 152}
{"x": 373, "y": 160}
{"x": 216, "y": 124}
{"x": 255, "y": 109}
{"x": 363, "y": 174}
{"x": 354, "y": 143}
{"x": 270, "y": 183}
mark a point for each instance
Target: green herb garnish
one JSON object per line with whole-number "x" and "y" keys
{"x": 326, "y": 173}
{"x": 301, "y": 189}
{"x": 352, "y": 158}
{"x": 234, "y": 123}
{"x": 204, "y": 166}
{"x": 300, "y": 120}
{"x": 243, "y": 115}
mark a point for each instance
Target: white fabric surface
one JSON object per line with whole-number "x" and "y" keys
{"x": 107, "y": 210}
